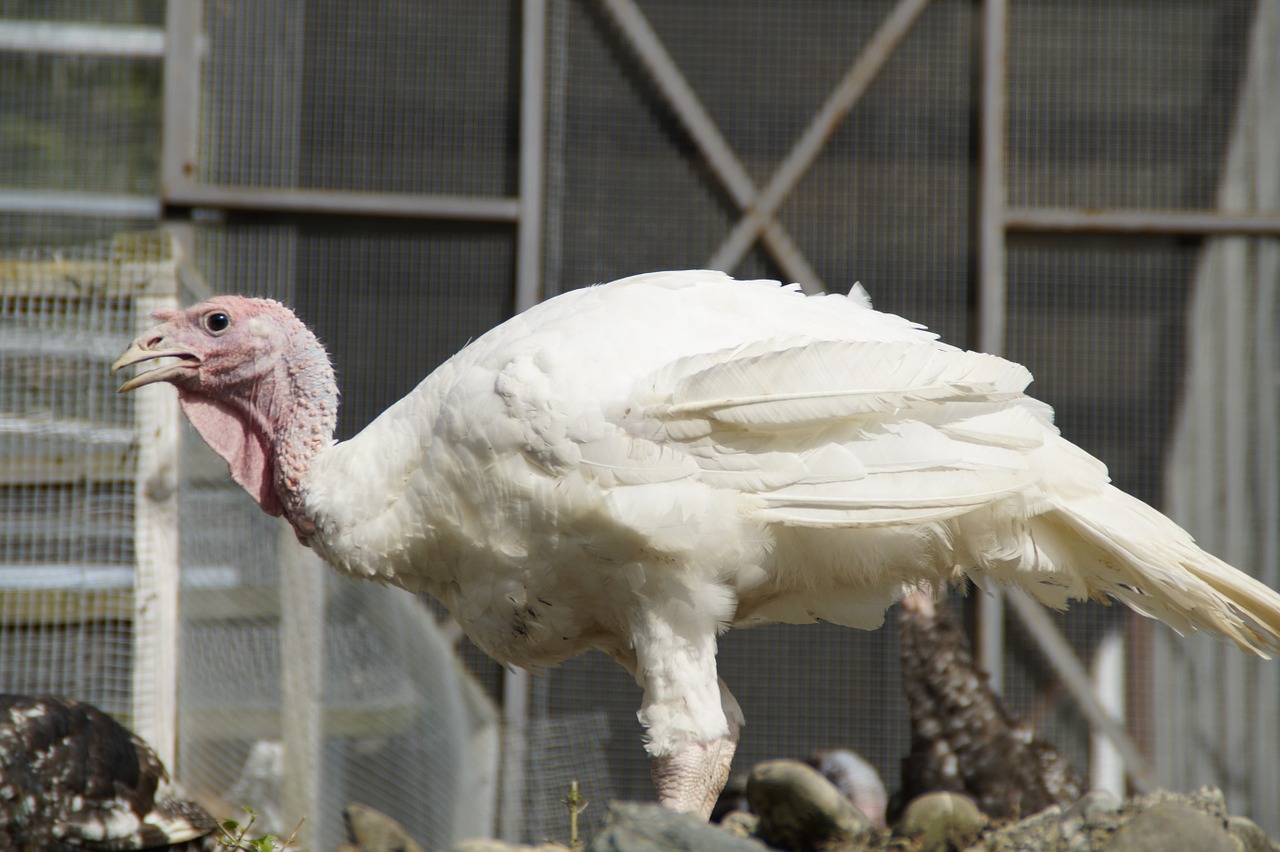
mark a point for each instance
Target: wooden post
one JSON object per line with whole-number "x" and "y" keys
{"x": 302, "y": 687}
{"x": 156, "y": 485}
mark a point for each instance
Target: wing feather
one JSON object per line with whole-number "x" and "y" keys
{"x": 825, "y": 380}
{"x": 852, "y": 433}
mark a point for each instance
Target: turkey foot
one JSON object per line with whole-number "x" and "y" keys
{"x": 691, "y": 779}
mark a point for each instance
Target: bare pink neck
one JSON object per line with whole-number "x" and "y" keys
{"x": 305, "y": 426}
{"x": 271, "y": 428}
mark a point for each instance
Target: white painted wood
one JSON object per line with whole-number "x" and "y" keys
{"x": 156, "y": 485}
{"x": 992, "y": 286}
{"x": 62, "y": 38}
{"x": 1218, "y": 710}
{"x": 302, "y": 628}
{"x": 1266, "y": 373}
{"x": 1233, "y": 672}
{"x": 529, "y": 240}
{"x": 1106, "y": 764}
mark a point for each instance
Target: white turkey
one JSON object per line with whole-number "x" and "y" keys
{"x": 638, "y": 466}
{"x": 73, "y": 778}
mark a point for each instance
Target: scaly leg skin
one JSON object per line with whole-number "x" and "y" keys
{"x": 691, "y": 718}
{"x": 691, "y": 779}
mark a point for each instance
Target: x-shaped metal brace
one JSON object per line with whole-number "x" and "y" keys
{"x": 759, "y": 208}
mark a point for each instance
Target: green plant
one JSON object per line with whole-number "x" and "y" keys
{"x": 235, "y": 837}
{"x": 576, "y": 804}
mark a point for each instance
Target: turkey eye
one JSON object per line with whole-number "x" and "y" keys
{"x": 217, "y": 322}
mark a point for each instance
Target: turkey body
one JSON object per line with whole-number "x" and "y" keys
{"x": 565, "y": 496}
{"x": 72, "y": 778}
{"x": 638, "y": 466}
{"x": 963, "y": 737}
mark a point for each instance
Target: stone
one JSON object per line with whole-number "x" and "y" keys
{"x": 485, "y": 844}
{"x": 1080, "y": 822}
{"x": 631, "y": 827}
{"x": 740, "y": 823}
{"x": 370, "y": 830}
{"x": 482, "y": 844}
{"x": 1250, "y": 835}
{"x": 799, "y": 809}
{"x": 1042, "y": 831}
{"x": 941, "y": 821}
{"x": 1092, "y": 807}
{"x": 1172, "y": 825}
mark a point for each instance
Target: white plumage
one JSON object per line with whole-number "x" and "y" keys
{"x": 637, "y": 466}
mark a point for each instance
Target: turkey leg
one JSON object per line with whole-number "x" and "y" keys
{"x": 691, "y": 779}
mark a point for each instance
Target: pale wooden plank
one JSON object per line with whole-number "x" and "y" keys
{"x": 1264, "y": 68}
{"x": 302, "y": 706}
{"x": 384, "y": 717}
{"x": 50, "y": 607}
{"x": 156, "y": 524}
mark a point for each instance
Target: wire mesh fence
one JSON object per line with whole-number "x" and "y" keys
{"x": 1133, "y": 105}
{"x": 68, "y": 481}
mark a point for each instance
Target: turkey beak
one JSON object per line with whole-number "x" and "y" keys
{"x": 149, "y": 347}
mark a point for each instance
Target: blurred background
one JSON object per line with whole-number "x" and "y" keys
{"x": 1090, "y": 188}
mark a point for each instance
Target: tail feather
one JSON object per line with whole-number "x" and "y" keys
{"x": 1142, "y": 558}
{"x": 1258, "y": 602}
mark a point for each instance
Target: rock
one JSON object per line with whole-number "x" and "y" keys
{"x": 1092, "y": 807}
{"x": 1042, "y": 831}
{"x": 801, "y": 810}
{"x": 938, "y": 822}
{"x": 369, "y": 830}
{"x": 1250, "y": 835}
{"x": 487, "y": 845}
{"x": 631, "y": 827}
{"x": 856, "y": 779}
{"x": 740, "y": 823}
{"x": 1164, "y": 821}
{"x": 732, "y": 798}
{"x": 1172, "y": 825}
{"x": 1077, "y": 822}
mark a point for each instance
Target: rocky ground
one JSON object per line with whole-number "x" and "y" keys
{"x": 795, "y": 808}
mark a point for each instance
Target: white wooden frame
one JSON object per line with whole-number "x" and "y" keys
{"x": 157, "y": 482}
